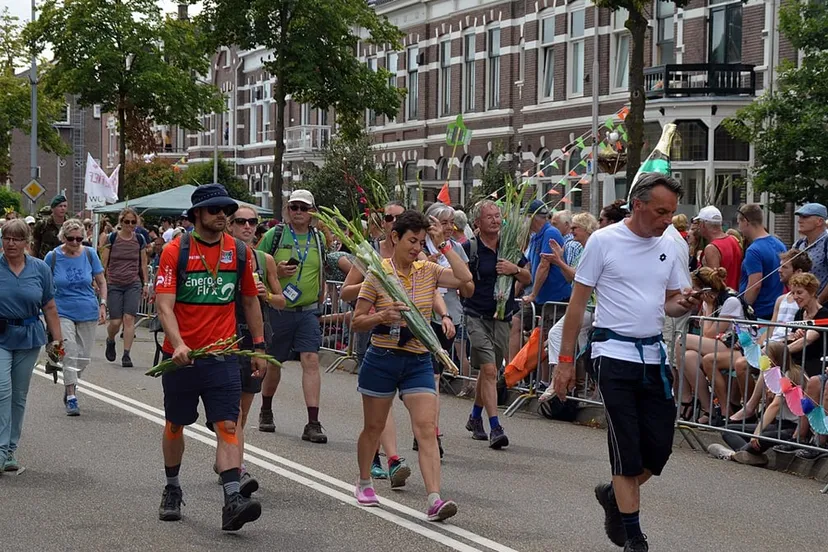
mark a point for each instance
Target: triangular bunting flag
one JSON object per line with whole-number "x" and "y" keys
{"x": 444, "y": 196}
{"x": 583, "y": 181}
{"x": 580, "y": 143}
{"x": 525, "y": 174}
{"x": 582, "y": 163}
{"x": 553, "y": 191}
{"x": 623, "y": 113}
{"x": 573, "y": 173}
{"x": 609, "y": 124}
{"x": 540, "y": 173}
{"x": 554, "y": 164}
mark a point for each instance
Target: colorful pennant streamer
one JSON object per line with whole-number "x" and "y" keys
{"x": 798, "y": 403}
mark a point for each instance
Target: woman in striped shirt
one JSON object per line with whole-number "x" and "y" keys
{"x": 396, "y": 361}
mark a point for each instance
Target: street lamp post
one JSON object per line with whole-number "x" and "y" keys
{"x": 33, "y": 141}
{"x": 593, "y": 188}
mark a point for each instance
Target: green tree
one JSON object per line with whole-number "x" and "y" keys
{"x": 16, "y": 106}
{"x": 637, "y": 25}
{"x": 132, "y": 60}
{"x": 9, "y": 199}
{"x": 787, "y": 126}
{"x": 197, "y": 174}
{"x": 313, "y": 44}
{"x": 348, "y": 164}
{"x": 143, "y": 178}
{"x": 495, "y": 172}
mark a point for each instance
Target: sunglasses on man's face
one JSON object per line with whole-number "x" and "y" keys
{"x": 300, "y": 207}
{"x": 76, "y": 239}
{"x": 242, "y": 221}
{"x": 216, "y": 209}
{"x": 129, "y": 222}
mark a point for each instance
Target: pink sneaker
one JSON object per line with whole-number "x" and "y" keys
{"x": 366, "y": 497}
{"x": 442, "y": 509}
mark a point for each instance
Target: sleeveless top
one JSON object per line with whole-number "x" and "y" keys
{"x": 731, "y": 259}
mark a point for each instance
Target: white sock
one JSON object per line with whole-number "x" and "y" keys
{"x": 433, "y": 498}
{"x": 366, "y": 484}
{"x": 70, "y": 397}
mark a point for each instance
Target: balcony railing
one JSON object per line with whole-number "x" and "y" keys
{"x": 699, "y": 79}
{"x": 307, "y": 138}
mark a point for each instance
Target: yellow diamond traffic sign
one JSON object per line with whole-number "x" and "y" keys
{"x": 34, "y": 190}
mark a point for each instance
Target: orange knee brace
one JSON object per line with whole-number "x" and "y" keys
{"x": 172, "y": 432}
{"x": 226, "y": 431}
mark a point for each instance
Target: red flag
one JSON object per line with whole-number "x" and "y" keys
{"x": 444, "y": 196}
{"x": 623, "y": 113}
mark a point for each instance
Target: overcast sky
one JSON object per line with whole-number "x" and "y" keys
{"x": 23, "y": 8}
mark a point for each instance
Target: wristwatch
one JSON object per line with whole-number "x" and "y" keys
{"x": 260, "y": 346}
{"x": 103, "y": 302}
{"x": 444, "y": 316}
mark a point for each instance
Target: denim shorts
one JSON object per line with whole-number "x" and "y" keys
{"x": 384, "y": 372}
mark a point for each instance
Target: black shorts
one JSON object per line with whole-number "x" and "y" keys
{"x": 249, "y": 384}
{"x": 445, "y": 342}
{"x": 641, "y": 414}
{"x": 215, "y": 381}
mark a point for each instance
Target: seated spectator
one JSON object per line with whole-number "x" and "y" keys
{"x": 716, "y": 339}
{"x": 807, "y": 347}
{"x": 582, "y": 226}
{"x": 792, "y": 262}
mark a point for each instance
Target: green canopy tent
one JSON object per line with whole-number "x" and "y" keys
{"x": 167, "y": 203}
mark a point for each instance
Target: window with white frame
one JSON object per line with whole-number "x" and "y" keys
{"x": 413, "y": 97}
{"x": 469, "y": 77}
{"x": 392, "y": 65}
{"x": 725, "y": 33}
{"x": 445, "y": 77}
{"x": 577, "y": 27}
{"x": 547, "y": 58}
{"x": 621, "y": 45}
{"x": 266, "y": 121}
{"x": 665, "y": 43}
{"x": 493, "y": 88}
{"x": 372, "y": 115}
{"x": 253, "y": 126}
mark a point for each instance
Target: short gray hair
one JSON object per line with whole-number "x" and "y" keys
{"x": 440, "y": 210}
{"x": 70, "y": 226}
{"x": 564, "y": 216}
{"x": 643, "y": 189}
{"x": 460, "y": 220}
{"x": 482, "y": 204}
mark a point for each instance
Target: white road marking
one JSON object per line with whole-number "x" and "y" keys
{"x": 204, "y": 435}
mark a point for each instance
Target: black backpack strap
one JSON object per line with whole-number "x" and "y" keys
{"x": 183, "y": 258}
{"x": 278, "y": 232}
{"x": 241, "y": 265}
{"x": 474, "y": 258}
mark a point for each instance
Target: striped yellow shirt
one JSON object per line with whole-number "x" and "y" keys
{"x": 422, "y": 281}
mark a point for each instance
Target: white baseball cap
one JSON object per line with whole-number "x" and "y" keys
{"x": 301, "y": 196}
{"x": 709, "y": 214}
{"x": 30, "y": 220}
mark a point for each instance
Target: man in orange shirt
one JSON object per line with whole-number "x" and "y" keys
{"x": 200, "y": 277}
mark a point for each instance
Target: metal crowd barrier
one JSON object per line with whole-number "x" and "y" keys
{"x": 335, "y": 320}
{"x": 739, "y": 391}
{"x": 530, "y": 390}
{"x": 146, "y": 309}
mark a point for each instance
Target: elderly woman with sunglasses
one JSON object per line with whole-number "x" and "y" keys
{"x": 124, "y": 259}
{"x": 27, "y": 291}
{"x": 74, "y": 269}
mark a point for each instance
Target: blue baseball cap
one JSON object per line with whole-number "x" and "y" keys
{"x": 812, "y": 210}
{"x": 536, "y": 208}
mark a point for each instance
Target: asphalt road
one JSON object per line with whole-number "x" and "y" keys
{"x": 94, "y": 483}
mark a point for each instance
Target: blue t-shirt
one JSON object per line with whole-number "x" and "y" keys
{"x": 763, "y": 257}
{"x": 555, "y": 288}
{"x": 23, "y": 298}
{"x": 74, "y": 296}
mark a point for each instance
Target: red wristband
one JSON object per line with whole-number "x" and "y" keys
{"x": 258, "y": 340}
{"x": 564, "y": 358}
{"x": 446, "y": 249}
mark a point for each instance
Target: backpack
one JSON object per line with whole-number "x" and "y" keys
{"x": 278, "y": 233}
{"x": 184, "y": 257}
{"x": 142, "y": 244}
{"x": 474, "y": 258}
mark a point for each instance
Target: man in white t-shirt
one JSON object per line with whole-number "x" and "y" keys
{"x": 637, "y": 274}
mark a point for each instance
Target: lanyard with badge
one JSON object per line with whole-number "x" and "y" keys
{"x": 213, "y": 272}
{"x": 292, "y": 292}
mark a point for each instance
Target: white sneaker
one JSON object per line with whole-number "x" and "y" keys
{"x": 719, "y": 451}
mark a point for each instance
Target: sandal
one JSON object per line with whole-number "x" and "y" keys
{"x": 687, "y": 408}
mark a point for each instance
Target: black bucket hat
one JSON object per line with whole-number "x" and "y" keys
{"x": 207, "y": 196}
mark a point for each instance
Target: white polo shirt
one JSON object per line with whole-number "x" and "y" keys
{"x": 631, "y": 276}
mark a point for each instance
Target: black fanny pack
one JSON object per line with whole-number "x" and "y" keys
{"x": 406, "y": 335}
{"x": 6, "y": 322}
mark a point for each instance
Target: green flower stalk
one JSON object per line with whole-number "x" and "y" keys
{"x": 219, "y": 348}
{"x": 368, "y": 262}
{"x": 514, "y": 236}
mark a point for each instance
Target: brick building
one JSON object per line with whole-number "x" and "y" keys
{"x": 520, "y": 72}
{"x": 82, "y": 130}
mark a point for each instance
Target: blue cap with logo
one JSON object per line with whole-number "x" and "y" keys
{"x": 812, "y": 210}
